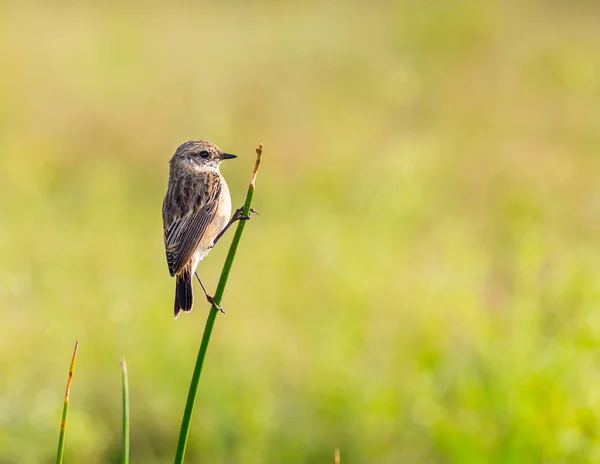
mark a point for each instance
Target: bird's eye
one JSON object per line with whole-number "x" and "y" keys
{"x": 204, "y": 154}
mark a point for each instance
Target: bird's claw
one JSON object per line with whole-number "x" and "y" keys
{"x": 212, "y": 301}
{"x": 244, "y": 217}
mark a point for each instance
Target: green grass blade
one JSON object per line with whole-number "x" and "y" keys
{"x": 63, "y": 423}
{"x": 191, "y": 399}
{"x": 125, "y": 413}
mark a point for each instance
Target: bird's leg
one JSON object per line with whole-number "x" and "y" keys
{"x": 237, "y": 216}
{"x": 209, "y": 298}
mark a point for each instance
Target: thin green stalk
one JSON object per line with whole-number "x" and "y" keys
{"x": 125, "y": 413}
{"x": 210, "y": 321}
{"x": 63, "y": 423}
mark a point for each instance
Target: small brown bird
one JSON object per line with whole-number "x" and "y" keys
{"x": 196, "y": 212}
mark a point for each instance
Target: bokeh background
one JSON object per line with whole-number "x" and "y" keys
{"x": 422, "y": 284}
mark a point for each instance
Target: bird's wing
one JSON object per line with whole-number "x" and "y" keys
{"x": 189, "y": 208}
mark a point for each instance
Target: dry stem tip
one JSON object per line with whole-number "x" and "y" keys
{"x": 259, "y": 151}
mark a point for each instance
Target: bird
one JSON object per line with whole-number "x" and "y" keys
{"x": 196, "y": 213}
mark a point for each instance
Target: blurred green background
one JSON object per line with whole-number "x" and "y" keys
{"x": 422, "y": 284}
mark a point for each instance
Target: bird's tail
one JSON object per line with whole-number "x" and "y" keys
{"x": 184, "y": 297}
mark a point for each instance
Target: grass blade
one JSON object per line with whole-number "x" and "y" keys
{"x": 125, "y": 412}
{"x": 63, "y": 423}
{"x": 212, "y": 315}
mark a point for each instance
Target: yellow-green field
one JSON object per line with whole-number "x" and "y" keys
{"x": 423, "y": 282}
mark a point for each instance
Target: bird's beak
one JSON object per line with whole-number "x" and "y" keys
{"x": 227, "y": 156}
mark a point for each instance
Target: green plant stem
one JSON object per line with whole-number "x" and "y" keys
{"x": 212, "y": 315}
{"x": 125, "y": 412}
{"x": 63, "y": 423}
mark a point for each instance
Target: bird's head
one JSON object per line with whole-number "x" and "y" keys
{"x": 200, "y": 154}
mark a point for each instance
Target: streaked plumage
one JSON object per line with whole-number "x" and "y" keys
{"x": 196, "y": 208}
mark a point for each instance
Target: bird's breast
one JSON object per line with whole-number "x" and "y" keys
{"x": 219, "y": 222}
{"x": 225, "y": 204}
